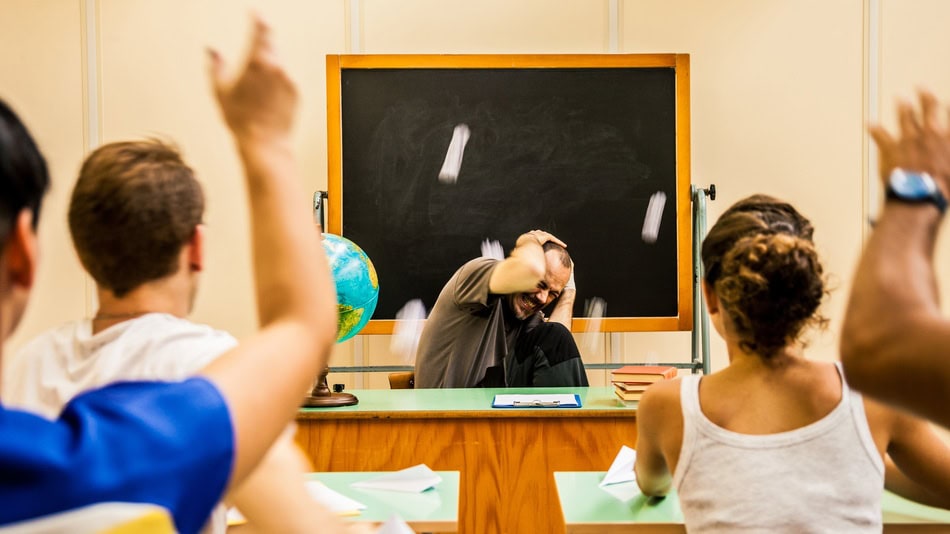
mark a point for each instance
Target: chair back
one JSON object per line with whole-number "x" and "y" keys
{"x": 404, "y": 380}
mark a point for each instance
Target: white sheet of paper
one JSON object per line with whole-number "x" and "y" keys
{"x": 624, "y": 492}
{"x": 415, "y": 479}
{"x": 333, "y": 500}
{"x": 563, "y": 399}
{"x": 621, "y": 470}
{"x": 395, "y": 525}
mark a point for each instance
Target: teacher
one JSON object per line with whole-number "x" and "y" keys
{"x": 487, "y": 329}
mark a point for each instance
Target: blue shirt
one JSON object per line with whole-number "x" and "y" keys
{"x": 168, "y": 444}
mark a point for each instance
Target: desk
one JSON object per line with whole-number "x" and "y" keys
{"x": 589, "y": 509}
{"x": 435, "y": 510}
{"x": 505, "y": 456}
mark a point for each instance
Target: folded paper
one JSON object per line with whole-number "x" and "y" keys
{"x": 395, "y": 525}
{"x": 621, "y": 470}
{"x": 415, "y": 479}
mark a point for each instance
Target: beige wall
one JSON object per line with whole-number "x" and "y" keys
{"x": 779, "y": 100}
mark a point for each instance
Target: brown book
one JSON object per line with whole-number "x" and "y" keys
{"x": 628, "y": 395}
{"x": 642, "y": 373}
{"x": 632, "y": 386}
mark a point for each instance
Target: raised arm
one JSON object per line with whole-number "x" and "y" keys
{"x": 524, "y": 267}
{"x": 894, "y": 341}
{"x": 264, "y": 379}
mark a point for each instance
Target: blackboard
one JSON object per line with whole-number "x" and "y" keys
{"x": 575, "y": 145}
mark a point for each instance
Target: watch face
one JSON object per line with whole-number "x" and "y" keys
{"x": 912, "y": 185}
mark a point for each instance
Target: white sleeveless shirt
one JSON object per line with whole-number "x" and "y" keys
{"x": 824, "y": 477}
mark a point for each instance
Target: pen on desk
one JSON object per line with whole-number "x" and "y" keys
{"x": 536, "y": 403}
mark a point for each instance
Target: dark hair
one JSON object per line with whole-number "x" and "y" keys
{"x": 760, "y": 260}
{"x": 562, "y": 252}
{"x": 135, "y": 205}
{"x": 24, "y": 178}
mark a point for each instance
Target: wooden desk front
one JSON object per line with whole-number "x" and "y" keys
{"x": 505, "y": 456}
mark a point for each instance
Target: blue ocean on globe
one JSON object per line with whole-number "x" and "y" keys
{"x": 357, "y": 287}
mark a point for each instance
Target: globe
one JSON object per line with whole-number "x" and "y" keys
{"x": 357, "y": 287}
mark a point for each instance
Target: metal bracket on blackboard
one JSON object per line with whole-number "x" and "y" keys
{"x": 700, "y": 335}
{"x": 319, "y": 213}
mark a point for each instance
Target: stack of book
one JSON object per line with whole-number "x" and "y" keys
{"x": 631, "y": 381}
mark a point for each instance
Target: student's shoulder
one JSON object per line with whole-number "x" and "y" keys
{"x": 65, "y": 333}
{"x": 662, "y": 396}
{"x": 177, "y": 329}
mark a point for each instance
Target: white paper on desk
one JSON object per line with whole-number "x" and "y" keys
{"x": 622, "y": 468}
{"x": 395, "y": 525}
{"x": 624, "y": 492}
{"x": 333, "y": 500}
{"x": 415, "y": 479}
{"x": 562, "y": 399}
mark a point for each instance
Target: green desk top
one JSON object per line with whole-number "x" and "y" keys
{"x": 596, "y": 401}
{"x": 582, "y": 501}
{"x": 437, "y": 505}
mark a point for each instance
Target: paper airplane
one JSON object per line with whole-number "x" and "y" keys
{"x": 415, "y": 479}
{"x": 622, "y": 468}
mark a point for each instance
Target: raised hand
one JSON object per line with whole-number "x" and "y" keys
{"x": 923, "y": 143}
{"x": 259, "y": 101}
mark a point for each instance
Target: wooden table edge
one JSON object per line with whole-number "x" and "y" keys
{"x": 542, "y": 413}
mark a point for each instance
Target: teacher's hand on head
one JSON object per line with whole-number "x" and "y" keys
{"x": 260, "y": 101}
{"x": 543, "y": 237}
{"x": 923, "y": 142}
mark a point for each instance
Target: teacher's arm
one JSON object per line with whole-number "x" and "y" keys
{"x": 525, "y": 267}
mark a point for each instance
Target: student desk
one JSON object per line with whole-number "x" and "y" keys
{"x": 505, "y": 456}
{"x": 434, "y": 510}
{"x": 589, "y": 509}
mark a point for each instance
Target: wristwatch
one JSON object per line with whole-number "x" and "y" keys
{"x": 915, "y": 187}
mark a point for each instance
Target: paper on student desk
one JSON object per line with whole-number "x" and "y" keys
{"x": 621, "y": 470}
{"x": 563, "y": 400}
{"x": 395, "y": 525}
{"x": 415, "y": 479}
{"x": 333, "y": 500}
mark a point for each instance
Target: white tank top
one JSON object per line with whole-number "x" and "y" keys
{"x": 824, "y": 477}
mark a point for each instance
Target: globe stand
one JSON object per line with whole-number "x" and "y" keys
{"x": 322, "y": 397}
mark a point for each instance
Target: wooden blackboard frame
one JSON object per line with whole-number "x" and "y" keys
{"x": 335, "y": 64}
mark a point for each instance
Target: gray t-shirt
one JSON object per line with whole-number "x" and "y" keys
{"x": 468, "y": 331}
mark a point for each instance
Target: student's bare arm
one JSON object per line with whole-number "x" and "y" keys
{"x": 524, "y": 267}
{"x": 656, "y": 427}
{"x": 918, "y": 461}
{"x": 894, "y": 338}
{"x": 274, "y": 499}
{"x": 265, "y": 377}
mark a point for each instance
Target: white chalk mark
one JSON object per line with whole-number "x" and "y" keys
{"x": 409, "y": 322}
{"x": 453, "y": 156}
{"x": 651, "y": 221}
{"x": 595, "y": 310}
{"x": 492, "y": 249}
